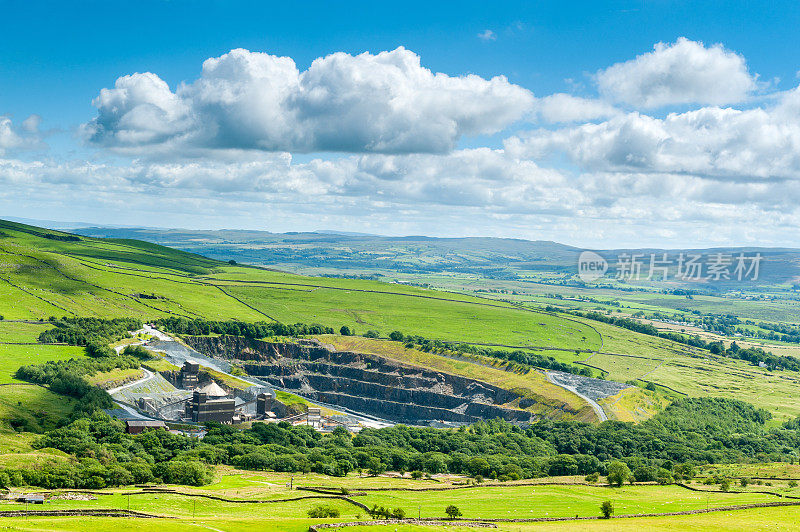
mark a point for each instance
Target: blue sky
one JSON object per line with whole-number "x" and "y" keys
{"x": 56, "y": 58}
{"x": 56, "y": 55}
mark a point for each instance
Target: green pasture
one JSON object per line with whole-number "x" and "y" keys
{"x": 42, "y": 277}
{"x": 487, "y": 502}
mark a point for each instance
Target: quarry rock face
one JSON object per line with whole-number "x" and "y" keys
{"x": 364, "y": 382}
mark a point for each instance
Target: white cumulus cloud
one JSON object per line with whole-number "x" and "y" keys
{"x": 567, "y": 108}
{"x": 381, "y": 103}
{"x": 683, "y": 72}
{"x": 723, "y": 143}
{"x": 17, "y": 138}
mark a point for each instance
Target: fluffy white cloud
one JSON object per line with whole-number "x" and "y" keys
{"x": 466, "y": 192}
{"x": 476, "y": 177}
{"x": 724, "y": 143}
{"x": 683, "y": 72}
{"x": 8, "y": 138}
{"x": 14, "y": 138}
{"x": 217, "y": 147}
{"x": 383, "y": 103}
{"x": 567, "y": 108}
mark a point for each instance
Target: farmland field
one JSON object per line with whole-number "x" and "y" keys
{"x": 484, "y": 502}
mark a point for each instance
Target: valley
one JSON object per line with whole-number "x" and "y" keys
{"x": 482, "y": 359}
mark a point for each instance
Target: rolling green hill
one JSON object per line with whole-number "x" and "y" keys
{"x": 48, "y": 273}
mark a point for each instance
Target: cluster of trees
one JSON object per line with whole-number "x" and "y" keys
{"x": 665, "y": 448}
{"x": 784, "y": 333}
{"x": 755, "y": 355}
{"x": 519, "y": 358}
{"x": 262, "y": 329}
{"x": 106, "y": 456}
{"x": 86, "y": 331}
{"x": 67, "y": 377}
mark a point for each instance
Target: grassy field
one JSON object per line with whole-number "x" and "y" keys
{"x": 115, "y": 377}
{"x": 37, "y": 406}
{"x": 709, "y": 375}
{"x": 779, "y": 519}
{"x": 41, "y": 277}
{"x": 488, "y": 502}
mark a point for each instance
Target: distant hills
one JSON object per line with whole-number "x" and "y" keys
{"x": 327, "y": 251}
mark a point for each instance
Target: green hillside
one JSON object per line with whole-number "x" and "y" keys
{"x": 48, "y": 273}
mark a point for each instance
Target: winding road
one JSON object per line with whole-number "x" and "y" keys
{"x": 147, "y": 376}
{"x": 594, "y": 404}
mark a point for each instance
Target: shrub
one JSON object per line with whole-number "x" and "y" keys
{"x": 137, "y": 351}
{"x": 592, "y": 477}
{"x": 323, "y": 511}
{"x": 792, "y": 483}
{"x": 372, "y": 334}
{"x": 607, "y": 509}
{"x": 664, "y": 477}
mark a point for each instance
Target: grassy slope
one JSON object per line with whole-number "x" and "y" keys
{"x": 42, "y": 276}
{"x": 100, "y": 277}
{"x": 692, "y": 371}
{"x": 18, "y": 400}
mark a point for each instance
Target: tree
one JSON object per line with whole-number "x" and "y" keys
{"x": 607, "y": 509}
{"x": 725, "y": 484}
{"x": 372, "y": 334}
{"x": 618, "y": 473}
{"x": 396, "y": 336}
{"x": 345, "y": 331}
{"x": 664, "y": 477}
{"x": 375, "y": 466}
{"x": 452, "y": 511}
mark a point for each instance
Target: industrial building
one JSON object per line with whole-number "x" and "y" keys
{"x": 189, "y": 375}
{"x": 201, "y": 409}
